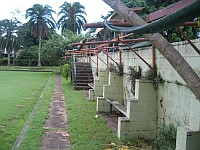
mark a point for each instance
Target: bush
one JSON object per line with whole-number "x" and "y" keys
{"x": 1, "y": 61}
{"x": 66, "y": 70}
{"x": 166, "y": 138}
{"x": 4, "y": 61}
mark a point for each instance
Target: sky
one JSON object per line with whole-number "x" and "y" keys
{"x": 94, "y": 8}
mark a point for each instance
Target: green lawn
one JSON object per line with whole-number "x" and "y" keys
{"x": 33, "y": 135}
{"x": 85, "y": 131}
{"x": 19, "y": 92}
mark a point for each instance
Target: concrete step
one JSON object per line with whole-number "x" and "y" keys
{"x": 83, "y": 81}
{"x": 82, "y": 88}
{"x": 83, "y": 73}
{"x": 84, "y": 76}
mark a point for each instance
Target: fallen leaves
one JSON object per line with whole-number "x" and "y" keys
{"x": 113, "y": 146}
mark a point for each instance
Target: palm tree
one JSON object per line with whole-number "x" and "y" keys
{"x": 41, "y": 20}
{"x": 9, "y": 36}
{"x": 72, "y": 17}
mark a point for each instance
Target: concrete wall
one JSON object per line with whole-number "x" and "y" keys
{"x": 175, "y": 100}
{"x": 99, "y": 82}
{"x": 114, "y": 89}
{"x": 176, "y": 103}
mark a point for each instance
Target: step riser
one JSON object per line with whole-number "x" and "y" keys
{"x": 84, "y": 76}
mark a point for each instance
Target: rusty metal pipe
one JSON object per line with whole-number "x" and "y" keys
{"x": 186, "y": 37}
{"x": 138, "y": 55}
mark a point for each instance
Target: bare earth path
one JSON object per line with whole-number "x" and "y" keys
{"x": 56, "y": 136}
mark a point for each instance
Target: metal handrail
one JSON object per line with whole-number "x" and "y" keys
{"x": 74, "y": 66}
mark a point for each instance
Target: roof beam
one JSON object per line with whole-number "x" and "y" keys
{"x": 167, "y": 10}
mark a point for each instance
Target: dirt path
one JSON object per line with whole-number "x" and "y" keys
{"x": 56, "y": 136}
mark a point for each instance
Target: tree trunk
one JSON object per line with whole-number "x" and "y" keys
{"x": 39, "y": 61}
{"x": 8, "y": 64}
{"x": 165, "y": 48}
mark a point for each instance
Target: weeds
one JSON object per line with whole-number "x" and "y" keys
{"x": 134, "y": 74}
{"x": 166, "y": 138}
{"x": 117, "y": 69}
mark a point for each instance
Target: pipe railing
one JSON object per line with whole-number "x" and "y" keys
{"x": 74, "y": 67}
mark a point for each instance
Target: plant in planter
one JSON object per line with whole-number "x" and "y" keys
{"x": 151, "y": 74}
{"x": 134, "y": 74}
{"x": 117, "y": 69}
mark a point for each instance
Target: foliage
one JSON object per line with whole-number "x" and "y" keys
{"x": 150, "y": 6}
{"x": 72, "y": 17}
{"x": 151, "y": 74}
{"x": 108, "y": 15}
{"x": 158, "y": 79}
{"x": 4, "y": 61}
{"x": 133, "y": 74}
{"x": 0, "y": 61}
{"x": 166, "y": 138}
{"x": 117, "y": 69}
{"x": 66, "y": 71}
{"x": 52, "y": 50}
{"x": 9, "y": 36}
{"x": 26, "y": 38}
{"x": 28, "y": 57}
{"x": 40, "y": 21}
{"x": 70, "y": 38}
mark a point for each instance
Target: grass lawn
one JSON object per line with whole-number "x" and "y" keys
{"x": 86, "y": 132}
{"x": 19, "y": 92}
{"x": 27, "y": 68}
{"x": 33, "y": 135}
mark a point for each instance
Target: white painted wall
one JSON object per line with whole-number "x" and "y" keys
{"x": 176, "y": 103}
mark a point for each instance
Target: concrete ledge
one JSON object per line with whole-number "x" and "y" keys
{"x": 187, "y": 138}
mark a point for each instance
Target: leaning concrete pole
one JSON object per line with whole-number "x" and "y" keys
{"x": 165, "y": 48}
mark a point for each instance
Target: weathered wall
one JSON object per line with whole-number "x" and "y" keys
{"x": 176, "y": 103}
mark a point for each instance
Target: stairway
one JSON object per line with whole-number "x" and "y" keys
{"x": 82, "y": 75}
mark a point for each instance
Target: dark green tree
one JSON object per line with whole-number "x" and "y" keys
{"x": 27, "y": 39}
{"x": 70, "y": 38}
{"x": 9, "y": 36}
{"x": 53, "y": 50}
{"x": 40, "y": 22}
{"x": 72, "y": 17}
{"x": 150, "y": 6}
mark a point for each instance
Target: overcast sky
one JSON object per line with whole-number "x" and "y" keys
{"x": 94, "y": 8}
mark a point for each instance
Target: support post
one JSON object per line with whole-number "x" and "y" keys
{"x": 153, "y": 57}
{"x": 97, "y": 64}
{"x": 186, "y": 37}
{"x": 107, "y": 61}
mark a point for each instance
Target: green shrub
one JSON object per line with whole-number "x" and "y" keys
{"x": 4, "y": 61}
{"x": 1, "y": 61}
{"x": 166, "y": 138}
{"x": 66, "y": 70}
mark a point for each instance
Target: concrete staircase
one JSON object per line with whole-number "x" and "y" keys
{"x": 138, "y": 116}
{"x": 82, "y": 75}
